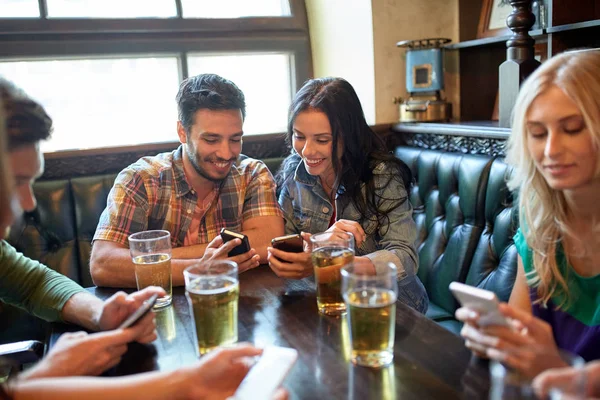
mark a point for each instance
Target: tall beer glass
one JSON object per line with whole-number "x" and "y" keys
{"x": 371, "y": 302}
{"x": 330, "y": 252}
{"x": 151, "y": 255}
{"x": 212, "y": 290}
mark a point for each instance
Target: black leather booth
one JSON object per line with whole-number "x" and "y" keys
{"x": 465, "y": 224}
{"x": 463, "y": 212}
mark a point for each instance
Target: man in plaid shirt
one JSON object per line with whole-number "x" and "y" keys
{"x": 193, "y": 192}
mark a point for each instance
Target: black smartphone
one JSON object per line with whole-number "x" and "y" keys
{"x": 139, "y": 313}
{"x": 242, "y": 248}
{"x": 289, "y": 243}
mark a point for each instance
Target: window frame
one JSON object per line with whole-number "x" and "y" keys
{"x": 43, "y": 37}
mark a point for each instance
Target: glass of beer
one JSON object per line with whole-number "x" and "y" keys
{"x": 151, "y": 254}
{"x": 212, "y": 290}
{"x": 371, "y": 302}
{"x": 330, "y": 252}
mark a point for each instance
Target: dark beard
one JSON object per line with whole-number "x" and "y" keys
{"x": 201, "y": 171}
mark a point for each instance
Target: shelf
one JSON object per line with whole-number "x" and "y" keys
{"x": 572, "y": 27}
{"x": 487, "y": 129}
{"x": 490, "y": 40}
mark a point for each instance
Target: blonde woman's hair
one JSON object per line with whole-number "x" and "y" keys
{"x": 543, "y": 210}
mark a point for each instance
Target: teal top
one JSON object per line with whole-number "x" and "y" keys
{"x": 576, "y": 326}
{"x": 32, "y": 286}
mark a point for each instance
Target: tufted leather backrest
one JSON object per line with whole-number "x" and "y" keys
{"x": 47, "y": 234}
{"x": 89, "y": 197}
{"x": 449, "y": 204}
{"x": 494, "y": 264}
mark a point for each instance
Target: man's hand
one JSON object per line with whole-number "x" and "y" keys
{"x": 79, "y": 353}
{"x": 220, "y": 372}
{"x": 570, "y": 380}
{"x": 120, "y": 306}
{"x": 217, "y": 250}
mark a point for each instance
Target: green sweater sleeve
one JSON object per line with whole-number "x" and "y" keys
{"x": 32, "y": 286}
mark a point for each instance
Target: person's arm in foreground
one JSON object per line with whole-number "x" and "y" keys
{"x": 216, "y": 376}
{"x": 568, "y": 378}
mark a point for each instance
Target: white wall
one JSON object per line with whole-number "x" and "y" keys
{"x": 341, "y": 33}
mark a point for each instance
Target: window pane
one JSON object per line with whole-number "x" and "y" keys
{"x": 102, "y": 102}
{"x": 111, "y": 8}
{"x": 265, "y": 80}
{"x": 235, "y": 8}
{"x": 19, "y": 8}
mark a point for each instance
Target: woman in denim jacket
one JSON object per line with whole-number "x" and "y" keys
{"x": 363, "y": 189}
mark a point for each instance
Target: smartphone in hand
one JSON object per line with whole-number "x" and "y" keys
{"x": 485, "y": 302}
{"x": 289, "y": 243}
{"x": 242, "y": 248}
{"x": 267, "y": 374}
{"x": 139, "y": 313}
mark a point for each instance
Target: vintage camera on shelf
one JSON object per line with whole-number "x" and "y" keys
{"x": 424, "y": 82}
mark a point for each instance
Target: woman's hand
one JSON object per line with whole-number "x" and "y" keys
{"x": 120, "y": 306}
{"x": 291, "y": 265}
{"x": 79, "y": 353}
{"x": 217, "y": 250}
{"x": 527, "y": 345}
{"x": 219, "y": 373}
{"x": 353, "y": 227}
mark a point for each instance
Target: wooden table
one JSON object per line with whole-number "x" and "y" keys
{"x": 429, "y": 361}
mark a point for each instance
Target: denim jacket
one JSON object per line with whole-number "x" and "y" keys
{"x": 306, "y": 208}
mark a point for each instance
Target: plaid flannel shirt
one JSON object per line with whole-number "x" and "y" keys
{"x": 153, "y": 193}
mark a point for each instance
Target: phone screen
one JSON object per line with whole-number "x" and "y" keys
{"x": 290, "y": 243}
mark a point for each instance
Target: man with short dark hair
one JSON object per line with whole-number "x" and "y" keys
{"x": 32, "y": 286}
{"x": 193, "y": 192}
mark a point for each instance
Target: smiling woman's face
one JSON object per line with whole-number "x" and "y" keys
{"x": 559, "y": 142}
{"x": 313, "y": 141}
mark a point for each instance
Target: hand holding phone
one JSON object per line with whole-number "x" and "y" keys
{"x": 139, "y": 313}
{"x": 242, "y": 248}
{"x": 289, "y": 243}
{"x": 267, "y": 374}
{"x": 483, "y": 301}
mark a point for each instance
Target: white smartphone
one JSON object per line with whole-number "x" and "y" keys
{"x": 139, "y": 313}
{"x": 267, "y": 374}
{"x": 483, "y": 301}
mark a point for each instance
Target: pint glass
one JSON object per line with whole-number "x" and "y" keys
{"x": 151, "y": 255}
{"x": 371, "y": 303}
{"x": 212, "y": 290}
{"x": 330, "y": 252}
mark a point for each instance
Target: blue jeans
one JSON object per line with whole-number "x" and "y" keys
{"x": 412, "y": 293}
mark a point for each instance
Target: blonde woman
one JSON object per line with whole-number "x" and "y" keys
{"x": 555, "y": 302}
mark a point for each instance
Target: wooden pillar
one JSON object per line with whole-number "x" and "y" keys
{"x": 520, "y": 61}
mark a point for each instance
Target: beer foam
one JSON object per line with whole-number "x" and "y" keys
{"x": 226, "y": 284}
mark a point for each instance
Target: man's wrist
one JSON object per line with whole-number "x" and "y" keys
{"x": 83, "y": 309}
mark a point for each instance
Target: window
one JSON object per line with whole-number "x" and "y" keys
{"x": 108, "y": 71}
{"x": 234, "y": 8}
{"x": 19, "y": 8}
{"x": 102, "y": 102}
{"x": 111, "y": 8}
{"x": 265, "y": 81}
